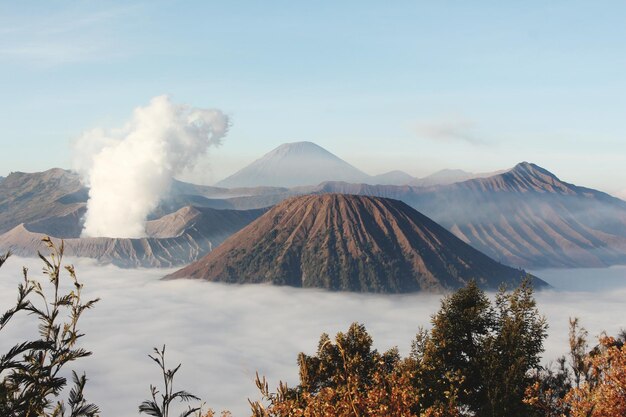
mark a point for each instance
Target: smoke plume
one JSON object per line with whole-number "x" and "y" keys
{"x": 128, "y": 170}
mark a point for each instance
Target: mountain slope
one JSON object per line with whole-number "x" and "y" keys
{"x": 180, "y": 188}
{"x": 348, "y": 243}
{"x": 57, "y": 197}
{"x": 175, "y": 239}
{"x": 294, "y": 164}
{"x": 26, "y": 197}
{"x": 525, "y": 217}
{"x": 529, "y": 217}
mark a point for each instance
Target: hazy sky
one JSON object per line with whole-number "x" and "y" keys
{"x": 410, "y": 85}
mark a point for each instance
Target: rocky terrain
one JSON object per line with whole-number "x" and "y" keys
{"x": 175, "y": 239}
{"x": 525, "y": 217}
{"x": 26, "y": 197}
{"x": 349, "y": 243}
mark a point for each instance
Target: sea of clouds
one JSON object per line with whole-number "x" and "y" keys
{"x": 223, "y": 334}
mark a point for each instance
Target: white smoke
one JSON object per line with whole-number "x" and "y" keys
{"x": 128, "y": 170}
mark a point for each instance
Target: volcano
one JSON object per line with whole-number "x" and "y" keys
{"x": 349, "y": 243}
{"x": 295, "y": 164}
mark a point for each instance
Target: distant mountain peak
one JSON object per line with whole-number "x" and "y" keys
{"x": 523, "y": 177}
{"x": 294, "y": 164}
{"x": 451, "y": 171}
{"x": 302, "y": 144}
{"x": 395, "y": 177}
{"x": 304, "y": 148}
{"x": 530, "y": 168}
{"x": 443, "y": 177}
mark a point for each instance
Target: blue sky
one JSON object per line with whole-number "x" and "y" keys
{"x": 410, "y": 85}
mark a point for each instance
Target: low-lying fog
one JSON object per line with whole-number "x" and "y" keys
{"x": 224, "y": 334}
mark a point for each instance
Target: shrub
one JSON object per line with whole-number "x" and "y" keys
{"x": 477, "y": 360}
{"x": 31, "y": 378}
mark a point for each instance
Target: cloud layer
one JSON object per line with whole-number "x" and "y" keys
{"x": 129, "y": 169}
{"x": 224, "y": 334}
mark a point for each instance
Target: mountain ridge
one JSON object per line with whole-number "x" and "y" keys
{"x": 173, "y": 240}
{"x": 395, "y": 177}
{"x": 525, "y": 217}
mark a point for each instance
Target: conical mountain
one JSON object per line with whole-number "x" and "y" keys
{"x": 294, "y": 164}
{"x": 349, "y": 243}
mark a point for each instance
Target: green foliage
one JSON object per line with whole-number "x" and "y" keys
{"x": 156, "y": 408}
{"x": 482, "y": 352}
{"x": 512, "y": 352}
{"x": 451, "y": 359}
{"x": 31, "y": 380}
{"x": 477, "y": 360}
{"x": 351, "y": 355}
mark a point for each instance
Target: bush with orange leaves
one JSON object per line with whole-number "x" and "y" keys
{"x": 475, "y": 361}
{"x": 591, "y": 384}
{"x": 348, "y": 379}
{"x": 604, "y": 393}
